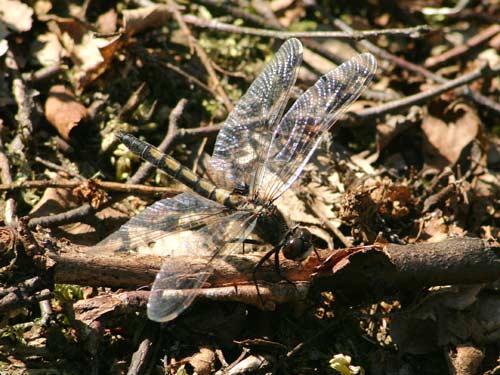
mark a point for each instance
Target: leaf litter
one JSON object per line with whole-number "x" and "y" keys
{"x": 422, "y": 175}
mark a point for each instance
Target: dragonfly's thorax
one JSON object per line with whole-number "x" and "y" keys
{"x": 271, "y": 224}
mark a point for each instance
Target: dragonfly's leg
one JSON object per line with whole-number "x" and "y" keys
{"x": 247, "y": 241}
{"x": 278, "y": 268}
{"x": 258, "y": 265}
{"x": 317, "y": 255}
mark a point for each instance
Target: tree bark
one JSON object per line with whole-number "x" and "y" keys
{"x": 354, "y": 272}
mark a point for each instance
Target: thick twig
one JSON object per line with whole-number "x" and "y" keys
{"x": 70, "y": 216}
{"x": 144, "y": 354}
{"x": 453, "y": 261}
{"x": 355, "y": 35}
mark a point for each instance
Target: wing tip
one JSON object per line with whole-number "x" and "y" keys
{"x": 293, "y": 44}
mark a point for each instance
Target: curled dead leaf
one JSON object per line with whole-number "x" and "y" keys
{"x": 377, "y": 200}
{"x": 91, "y": 55}
{"x": 106, "y": 22}
{"x": 137, "y": 20}
{"x": 63, "y": 111}
{"x": 203, "y": 361}
{"x": 89, "y": 192}
{"x": 447, "y": 138}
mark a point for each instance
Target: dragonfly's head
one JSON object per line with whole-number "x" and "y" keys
{"x": 299, "y": 244}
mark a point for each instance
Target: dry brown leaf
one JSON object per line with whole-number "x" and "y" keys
{"x": 47, "y": 49}
{"x": 203, "y": 361}
{"x": 436, "y": 229}
{"x": 445, "y": 141}
{"x": 106, "y": 23}
{"x": 63, "y": 111}
{"x": 465, "y": 359}
{"x": 137, "y": 20}
{"x": 16, "y": 15}
{"x": 91, "y": 55}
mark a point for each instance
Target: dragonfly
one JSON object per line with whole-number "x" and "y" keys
{"x": 259, "y": 153}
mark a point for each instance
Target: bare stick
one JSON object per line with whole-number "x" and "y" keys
{"x": 484, "y": 71}
{"x": 474, "y": 95}
{"x": 202, "y": 55}
{"x": 105, "y": 185}
{"x": 461, "y": 49}
{"x": 453, "y": 261}
{"x": 412, "y": 32}
{"x": 146, "y": 168}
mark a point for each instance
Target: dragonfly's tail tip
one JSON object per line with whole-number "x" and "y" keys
{"x": 120, "y": 135}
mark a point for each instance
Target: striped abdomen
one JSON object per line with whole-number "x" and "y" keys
{"x": 176, "y": 170}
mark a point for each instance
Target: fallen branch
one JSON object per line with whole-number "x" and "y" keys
{"x": 351, "y": 272}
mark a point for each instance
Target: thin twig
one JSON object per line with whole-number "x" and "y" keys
{"x": 133, "y": 101}
{"x": 43, "y": 73}
{"x": 6, "y": 178}
{"x": 369, "y": 113}
{"x": 58, "y": 168}
{"x": 412, "y": 32}
{"x": 189, "y": 77}
{"x": 205, "y": 60}
{"x": 396, "y": 105}
{"x": 146, "y": 168}
{"x": 24, "y": 99}
{"x": 86, "y": 209}
{"x": 461, "y": 49}
{"x": 474, "y": 95}
{"x": 105, "y": 185}
{"x": 5, "y": 175}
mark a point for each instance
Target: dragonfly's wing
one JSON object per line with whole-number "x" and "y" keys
{"x": 216, "y": 232}
{"x": 247, "y": 131}
{"x": 184, "y": 212}
{"x": 174, "y": 290}
{"x": 301, "y": 129}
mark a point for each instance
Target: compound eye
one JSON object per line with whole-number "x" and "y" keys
{"x": 293, "y": 248}
{"x": 299, "y": 246}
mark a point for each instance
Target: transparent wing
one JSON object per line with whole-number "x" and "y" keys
{"x": 174, "y": 290}
{"x": 215, "y": 231}
{"x": 184, "y": 212}
{"x": 245, "y": 137}
{"x": 298, "y": 134}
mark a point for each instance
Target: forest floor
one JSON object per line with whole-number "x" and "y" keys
{"x": 402, "y": 196}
